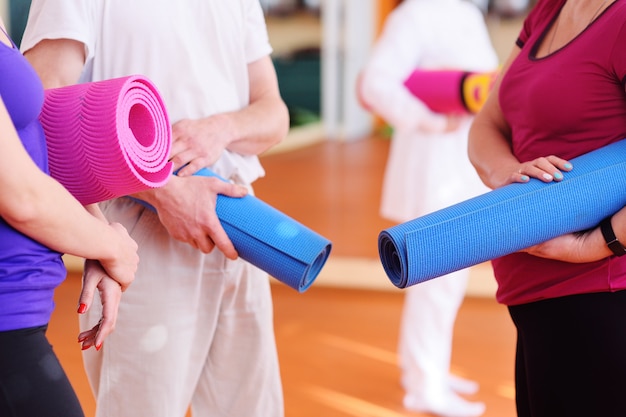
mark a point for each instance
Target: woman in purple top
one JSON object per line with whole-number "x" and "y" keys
{"x": 562, "y": 94}
{"x": 40, "y": 220}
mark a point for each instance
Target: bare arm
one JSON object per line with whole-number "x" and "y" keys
{"x": 589, "y": 246}
{"x": 43, "y": 209}
{"x": 186, "y": 204}
{"x": 248, "y": 131}
{"x": 265, "y": 122}
{"x": 489, "y": 145}
{"x": 58, "y": 62}
{"x": 491, "y": 154}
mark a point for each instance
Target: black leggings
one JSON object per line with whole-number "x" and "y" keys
{"x": 32, "y": 381}
{"x": 571, "y": 356}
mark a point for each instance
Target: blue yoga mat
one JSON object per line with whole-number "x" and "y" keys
{"x": 270, "y": 240}
{"x": 506, "y": 220}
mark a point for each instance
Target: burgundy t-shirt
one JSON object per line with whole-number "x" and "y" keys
{"x": 565, "y": 104}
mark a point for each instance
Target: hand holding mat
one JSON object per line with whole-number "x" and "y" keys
{"x": 107, "y": 139}
{"x": 506, "y": 220}
{"x": 451, "y": 91}
{"x": 271, "y": 240}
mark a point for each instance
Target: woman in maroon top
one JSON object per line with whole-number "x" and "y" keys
{"x": 561, "y": 94}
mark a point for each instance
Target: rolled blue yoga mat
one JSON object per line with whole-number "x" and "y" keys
{"x": 506, "y": 220}
{"x": 270, "y": 240}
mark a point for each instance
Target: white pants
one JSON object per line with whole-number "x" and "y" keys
{"x": 426, "y": 329}
{"x": 192, "y": 329}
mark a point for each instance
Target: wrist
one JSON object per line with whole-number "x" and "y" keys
{"x": 610, "y": 238}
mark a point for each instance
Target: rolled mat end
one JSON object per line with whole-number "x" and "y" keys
{"x": 272, "y": 241}
{"x": 108, "y": 138}
{"x": 269, "y": 239}
{"x": 505, "y": 220}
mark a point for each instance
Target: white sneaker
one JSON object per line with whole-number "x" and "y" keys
{"x": 451, "y": 405}
{"x": 462, "y": 385}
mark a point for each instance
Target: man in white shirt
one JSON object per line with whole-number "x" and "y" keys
{"x": 196, "y": 327}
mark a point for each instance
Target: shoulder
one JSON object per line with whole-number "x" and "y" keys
{"x": 542, "y": 13}
{"x": 57, "y": 19}
{"x": 617, "y": 12}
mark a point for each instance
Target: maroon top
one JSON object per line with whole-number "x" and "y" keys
{"x": 566, "y": 104}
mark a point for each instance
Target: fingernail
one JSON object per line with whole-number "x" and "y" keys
{"x": 547, "y": 177}
{"x": 82, "y": 308}
{"x": 98, "y": 347}
{"x": 525, "y": 178}
{"x": 85, "y": 347}
{"x": 568, "y": 165}
{"x": 558, "y": 175}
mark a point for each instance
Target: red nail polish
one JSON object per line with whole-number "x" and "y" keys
{"x": 82, "y": 308}
{"x": 98, "y": 347}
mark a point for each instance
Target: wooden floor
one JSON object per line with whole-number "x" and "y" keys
{"x": 337, "y": 346}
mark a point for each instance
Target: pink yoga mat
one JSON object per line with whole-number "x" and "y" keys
{"x": 451, "y": 91}
{"x": 107, "y": 139}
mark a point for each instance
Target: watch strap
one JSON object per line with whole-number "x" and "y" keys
{"x": 609, "y": 237}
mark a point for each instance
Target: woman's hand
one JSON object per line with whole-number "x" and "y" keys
{"x": 546, "y": 169}
{"x": 96, "y": 278}
{"x": 123, "y": 265}
{"x": 579, "y": 247}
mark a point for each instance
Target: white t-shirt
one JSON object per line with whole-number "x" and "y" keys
{"x": 195, "y": 51}
{"x": 427, "y": 169}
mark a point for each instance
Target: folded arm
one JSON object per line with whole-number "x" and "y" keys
{"x": 251, "y": 130}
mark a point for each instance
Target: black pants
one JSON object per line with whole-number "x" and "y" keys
{"x": 32, "y": 381}
{"x": 571, "y": 356}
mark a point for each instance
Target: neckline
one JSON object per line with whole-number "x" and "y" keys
{"x": 543, "y": 38}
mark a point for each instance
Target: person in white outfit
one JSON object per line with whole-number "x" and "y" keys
{"x": 428, "y": 169}
{"x": 197, "y": 328}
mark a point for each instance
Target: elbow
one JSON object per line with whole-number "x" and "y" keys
{"x": 471, "y": 149}
{"x": 275, "y": 131}
{"x": 366, "y": 91}
{"x": 24, "y": 210}
{"x": 474, "y": 158}
{"x": 282, "y": 124}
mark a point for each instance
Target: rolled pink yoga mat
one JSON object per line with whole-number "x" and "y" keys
{"x": 107, "y": 139}
{"x": 451, "y": 91}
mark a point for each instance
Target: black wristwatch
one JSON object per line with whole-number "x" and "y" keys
{"x": 609, "y": 236}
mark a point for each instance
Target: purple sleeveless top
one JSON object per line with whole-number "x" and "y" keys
{"x": 29, "y": 271}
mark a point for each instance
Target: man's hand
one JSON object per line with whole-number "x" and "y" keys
{"x": 199, "y": 143}
{"x": 186, "y": 207}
